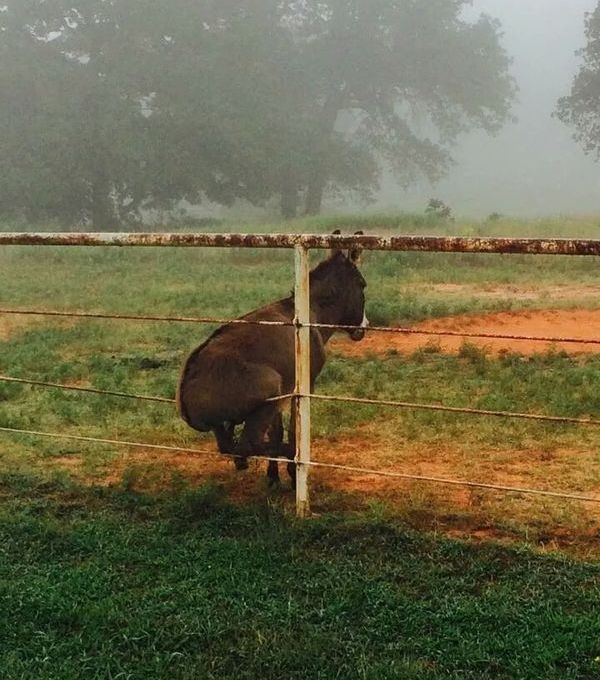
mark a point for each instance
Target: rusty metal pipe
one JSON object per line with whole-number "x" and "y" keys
{"x": 454, "y": 244}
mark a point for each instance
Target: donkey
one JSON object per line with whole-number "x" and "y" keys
{"x": 228, "y": 379}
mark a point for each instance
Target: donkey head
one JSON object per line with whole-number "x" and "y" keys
{"x": 338, "y": 289}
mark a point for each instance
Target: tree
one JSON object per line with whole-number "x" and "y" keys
{"x": 111, "y": 107}
{"x": 581, "y": 109}
{"x": 406, "y": 77}
{"x": 74, "y": 134}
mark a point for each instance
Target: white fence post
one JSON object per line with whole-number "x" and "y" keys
{"x": 302, "y": 347}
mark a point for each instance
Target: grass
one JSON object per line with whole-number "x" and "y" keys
{"x": 145, "y": 357}
{"x": 160, "y": 575}
{"x": 113, "y": 584}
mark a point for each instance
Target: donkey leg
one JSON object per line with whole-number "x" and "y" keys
{"x": 252, "y": 441}
{"x": 224, "y": 433}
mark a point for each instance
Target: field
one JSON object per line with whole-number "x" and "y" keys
{"x": 186, "y": 568}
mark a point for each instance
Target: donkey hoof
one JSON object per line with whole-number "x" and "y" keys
{"x": 240, "y": 463}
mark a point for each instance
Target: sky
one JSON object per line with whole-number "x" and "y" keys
{"x": 533, "y": 167}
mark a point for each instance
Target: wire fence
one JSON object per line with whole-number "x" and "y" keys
{"x": 534, "y": 246}
{"x": 565, "y": 420}
{"x": 551, "y": 339}
{"x": 315, "y": 464}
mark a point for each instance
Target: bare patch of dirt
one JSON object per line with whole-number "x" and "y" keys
{"x": 576, "y": 324}
{"x": 459, "y": 511}
{"x": 11, "y": 324}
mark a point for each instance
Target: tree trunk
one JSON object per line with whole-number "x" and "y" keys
{"x": 318, "y": 173}
{"x": 314, "y": 193}
{"x": 289, "y": 194}
{"x": 102, "y": 208}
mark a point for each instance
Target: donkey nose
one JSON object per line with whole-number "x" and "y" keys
{"x": 359, "y": 333}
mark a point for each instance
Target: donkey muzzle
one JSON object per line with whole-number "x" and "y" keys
{"x": 359, "y": 333}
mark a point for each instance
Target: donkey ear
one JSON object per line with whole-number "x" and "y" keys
{"x": 354, "y": 254}
{"x": 335, "y": 250}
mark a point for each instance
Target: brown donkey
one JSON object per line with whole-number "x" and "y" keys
{"x": 228, "y": 379}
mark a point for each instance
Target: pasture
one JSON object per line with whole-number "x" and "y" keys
{"x": 396, "y": 578}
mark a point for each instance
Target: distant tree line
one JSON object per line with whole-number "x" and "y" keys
{"x": 113, "y": 107}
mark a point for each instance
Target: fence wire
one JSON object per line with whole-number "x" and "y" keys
{"x": 146, "y": 317}
{"x": 565, "y": 420}
{"x": 246, "y": 322}
{"x": 315, "y": 464}
{"x": 480, "y": 245}
{"x": 91, "y": 390}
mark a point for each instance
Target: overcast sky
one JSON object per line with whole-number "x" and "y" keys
{"x": 533, "y": 167}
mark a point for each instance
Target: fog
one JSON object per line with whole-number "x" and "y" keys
{"x": 109, "y": 115}
{"x": 533, "y": 167}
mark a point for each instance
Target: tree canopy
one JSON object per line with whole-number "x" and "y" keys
{"x": 581, "y": 108}
{"x": 111, "y": 107}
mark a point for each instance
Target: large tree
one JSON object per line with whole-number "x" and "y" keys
{"x": 394, "y": 81}
{"x": 113, "y": 106}
{"x": 110, "y": 107}
{"x": 581, "y": 108}
{"x": 74, "y": 134}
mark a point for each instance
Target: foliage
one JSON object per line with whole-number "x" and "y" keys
{"x": 439, "y": 209}
{"x": 112, "y": 108}
{"x": 400, "y": 80}
{"x": 74, "y": 138}
{"x": 581, "y": 108}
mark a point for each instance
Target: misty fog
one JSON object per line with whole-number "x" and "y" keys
{"x": 533, "y": 167}
{"x": 287, "y": 108}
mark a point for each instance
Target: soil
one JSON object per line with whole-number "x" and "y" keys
{"x": 571, "y": 324}
{"x": 12, "y": 324}
{"x": 452, "y": 510}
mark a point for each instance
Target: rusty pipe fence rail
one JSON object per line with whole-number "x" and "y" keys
{"x": 440, "y": 244}
{"x": 302, "y": 244}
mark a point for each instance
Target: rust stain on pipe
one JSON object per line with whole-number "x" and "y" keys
{"x": 528, "y": 246}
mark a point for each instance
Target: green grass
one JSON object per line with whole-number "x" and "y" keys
{"x": 101, "y": 584}
{"x": 553, "y": 384}
{"x": 178, "y": 583}
{"x": 146, "y": 357}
